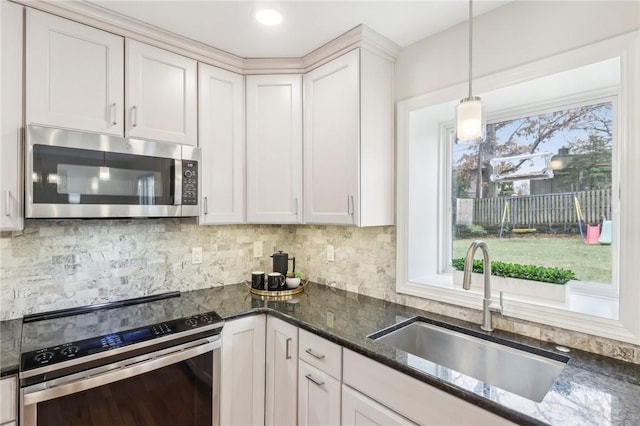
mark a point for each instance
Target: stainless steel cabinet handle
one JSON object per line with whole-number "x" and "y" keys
{"x": 295, "y": 205}
{"x": 350, "y": 205}
{"x": 114, "y": 116}
{"x": 134, "y": 116}
{"x": 316, "y": 381}
{"x": 314, "y": 354}
{"x": 206, "y": 206}
{"x": 7, "y": 206}
{"x": 288, "y": 352}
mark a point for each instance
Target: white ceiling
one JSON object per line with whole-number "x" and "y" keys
{"x": 307, "y": 25}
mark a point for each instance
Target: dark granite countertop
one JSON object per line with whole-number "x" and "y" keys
{"x": 591, "y": 390}
{"x": 10, "y": 336}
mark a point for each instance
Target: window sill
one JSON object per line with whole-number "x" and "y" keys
{"x": 580, "y": 312}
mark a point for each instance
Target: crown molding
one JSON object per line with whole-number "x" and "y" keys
{"x": 106, "y": 20}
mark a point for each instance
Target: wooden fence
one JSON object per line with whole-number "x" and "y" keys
{"x": 552, "y": 210}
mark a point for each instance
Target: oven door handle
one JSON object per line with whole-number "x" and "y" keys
{"x": 118, "y": 371}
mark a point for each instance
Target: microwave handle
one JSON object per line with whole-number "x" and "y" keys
{"x": 177, "y": 190}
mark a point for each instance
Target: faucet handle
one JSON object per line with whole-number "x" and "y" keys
{"x": 497, "y": 308}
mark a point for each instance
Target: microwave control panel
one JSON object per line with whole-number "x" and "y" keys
{"x": 189, "y": 183}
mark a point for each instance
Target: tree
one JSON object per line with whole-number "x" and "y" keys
{"x": 528, "y": 135}
{"x": 591, "y": 166}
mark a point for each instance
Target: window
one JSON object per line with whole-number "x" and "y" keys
{"x": 538, "y": 191}
{"x": 555, "y": 170}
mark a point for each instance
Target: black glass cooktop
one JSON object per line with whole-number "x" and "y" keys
{"x": 59, "y": 336}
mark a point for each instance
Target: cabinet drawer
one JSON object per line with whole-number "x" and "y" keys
{"x": 318, "y": 397}
{"x": 8, "y": 393}
{"x": 321, "y": 353}
{"x": 410, "y": 397}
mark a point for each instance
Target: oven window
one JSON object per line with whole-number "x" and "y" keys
{"x": 80, "y": 176}
{"x": 178, "y": 394}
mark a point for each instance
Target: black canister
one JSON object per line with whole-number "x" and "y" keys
{"x": 281, "y": 262}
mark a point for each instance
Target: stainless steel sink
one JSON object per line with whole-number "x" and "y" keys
{"x": 494, "y": 361}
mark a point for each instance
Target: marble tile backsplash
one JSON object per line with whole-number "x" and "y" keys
{"x": 55, "y": 264}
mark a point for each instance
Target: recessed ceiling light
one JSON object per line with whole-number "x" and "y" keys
{"x": 268, "y": 17}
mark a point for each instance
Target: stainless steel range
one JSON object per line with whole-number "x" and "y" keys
{"x": 147, "y": 361}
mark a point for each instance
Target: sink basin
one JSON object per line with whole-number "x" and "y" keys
{"x": 525, "y": 371}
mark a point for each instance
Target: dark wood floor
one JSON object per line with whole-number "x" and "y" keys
{"x": 170, "y": 396}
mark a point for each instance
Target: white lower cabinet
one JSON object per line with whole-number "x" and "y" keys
{"x": 358, "y": 410}
{"x": 243, "y": 372}
{"x": 409, "y": 397}
{"x": 318, "y": 397}
{"x": 8, "y": 401}
{"x": 281, "y": 373}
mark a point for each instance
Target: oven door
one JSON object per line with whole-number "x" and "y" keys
{"x": 174, "y": 386}
{"x": 78, "y": 174}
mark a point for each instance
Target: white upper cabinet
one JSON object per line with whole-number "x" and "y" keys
{"x": 11, "y": 77}
{"x": 221, "y": 138}
{"x": 161, "y": 97}
{"x": 274, "y": 149}
{"x": 74, "y": 75}
{"x": 348, "y": 141}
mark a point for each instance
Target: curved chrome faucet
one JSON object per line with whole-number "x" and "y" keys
{"x": 487, "y": 304}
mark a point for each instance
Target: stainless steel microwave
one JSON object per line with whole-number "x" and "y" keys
{"x": 71, "y": 174}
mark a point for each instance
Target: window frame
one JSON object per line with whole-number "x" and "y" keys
{"x": 441, "y": 106}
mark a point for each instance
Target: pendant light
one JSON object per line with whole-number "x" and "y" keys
{"x": 470, "y": 124}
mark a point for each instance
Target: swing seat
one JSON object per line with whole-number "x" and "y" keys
{"x": 524, "y": 230}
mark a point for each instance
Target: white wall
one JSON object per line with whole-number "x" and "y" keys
{"x": 515, "y": 34}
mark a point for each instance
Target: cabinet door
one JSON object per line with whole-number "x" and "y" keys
{"x": 358, "y": 410}
{"x": 243, "y": 370}
{"x": 282, "y": 373}
{"x": 332, "y": 138}
{"x": 221, "y": 138}
{"x": 74, "y": 75}
{"x": 318, "y": 397}
{"x": 161, "y": 95}
{"x": 274, "y": 149}
{"x": 8, "y": 394}
{"x": 11, "y": 198}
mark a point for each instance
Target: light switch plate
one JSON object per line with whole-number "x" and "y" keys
{"x": 196, "y": 255}
{"x": 257, "y": 249}
{"x": 331, "y": 253}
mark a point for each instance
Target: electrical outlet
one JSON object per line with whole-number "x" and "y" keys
{"x": 329, "y": 319}
{"x": 196, "y": 255}
{"x": 257, "y": 249}
{"x": 331, "y": 253}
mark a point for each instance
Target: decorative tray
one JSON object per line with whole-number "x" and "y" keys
{"x": 277, "y": 294}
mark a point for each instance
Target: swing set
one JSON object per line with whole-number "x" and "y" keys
{"x": 521, "y": 212}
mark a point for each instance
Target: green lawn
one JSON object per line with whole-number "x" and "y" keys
{"x": 589, "y": 262}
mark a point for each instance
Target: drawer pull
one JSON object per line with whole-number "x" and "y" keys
{"x": 314, "y": 354}
{"x": 316, "y": 381}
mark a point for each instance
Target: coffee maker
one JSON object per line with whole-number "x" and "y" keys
{"x": 281, "y": 262}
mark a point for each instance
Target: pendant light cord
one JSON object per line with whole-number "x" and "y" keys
{"x": 470, "y": 44}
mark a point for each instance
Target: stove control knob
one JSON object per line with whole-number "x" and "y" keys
{"x": 43, "y": 357}
{"x": 191, "y": 322}
{"x": 69, "y": 351}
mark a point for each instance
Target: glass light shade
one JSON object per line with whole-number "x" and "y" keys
{"x": 470, "y": 124}
{"x": 104, "y": 173}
